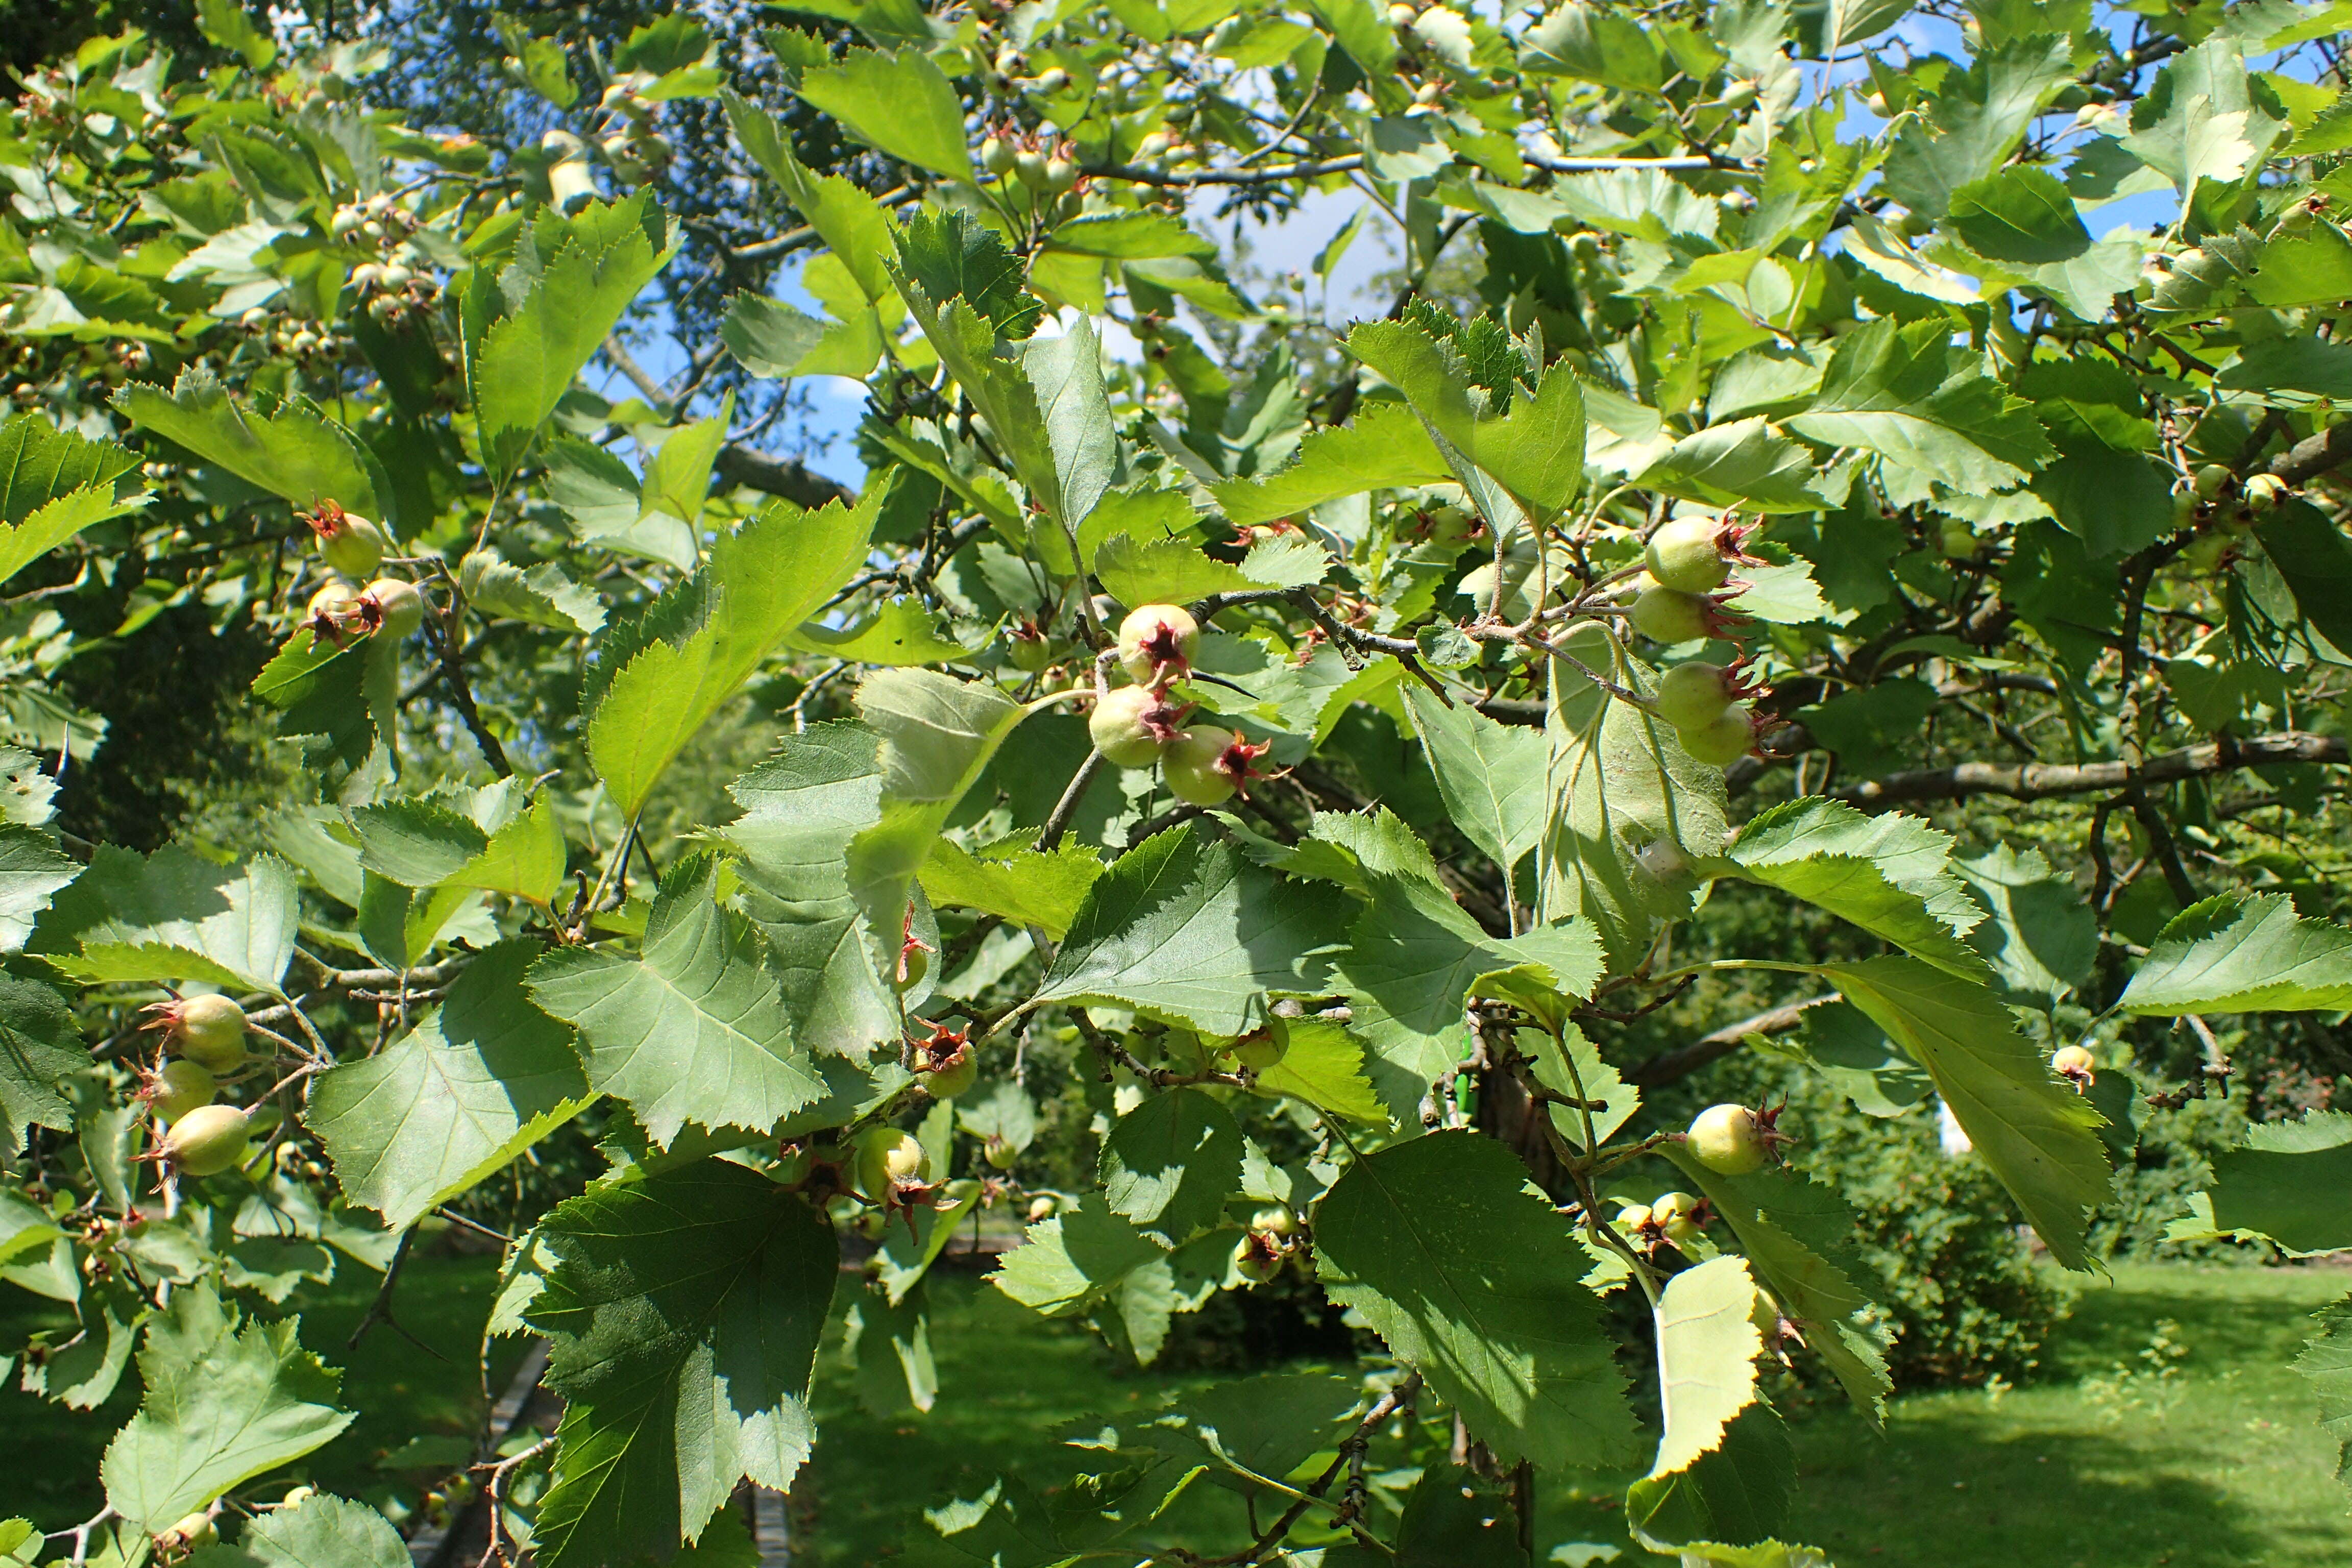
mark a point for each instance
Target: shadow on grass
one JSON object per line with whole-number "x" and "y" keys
{"x": 1967, "y": 1486}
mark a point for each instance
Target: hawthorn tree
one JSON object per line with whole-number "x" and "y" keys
{"x": 1321, "y": 744}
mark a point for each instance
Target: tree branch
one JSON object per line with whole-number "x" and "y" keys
{"x": 786, "y": 477}
{"x": 1682, "y": 1060}
{"x": 2040, "y": 781}
{"x": 2315, "y": 454}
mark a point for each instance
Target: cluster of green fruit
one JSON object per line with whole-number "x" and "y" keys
{"x": 2225, "y": 511}
{"x": 1673, "y": 1220}
{"x": 1046, "y": 167}
{"x": 352, "y": 548}
{"x": 1678, "y": 598}
{"x": 203, "y": 1042}
{"x": 1136, "y": 726}
{"x": 1271, "y": 1240}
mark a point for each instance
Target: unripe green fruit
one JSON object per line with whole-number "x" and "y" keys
{"x": 1274, "y": 1221}
{"x": 1685, "y": 555}
{"x": 958, "y": 1075}
{"x": 1030, "y": 650}
{"x": 1664, "y": 859}
{"x": 1060, "y": 175}
{"x": 1738, "y": 95}
{"x": 330, "y": 601}
{"x": 179, "y": 1087}
{"x": 1723, "y": 740}
{"x": 196, "y": 1530}
{"x": 888, "y": 1160}
{"x": 1030, "y": 167}
{"x": 2184, "y": 508}
{"x": 914, "y": 964}
{"x": 2211, "y": 480}
{"x": 1692, "y": 696}
{"x": 1669, "y": 615}
{"x": 1635, "y": 1216}
{"x": 1000, "y": 1152}
{"x": 1052, "y": 78}
{"x": 1675, "y": 1213}
{"x": 348, "y": 543}
{"x": 400, "y": 605}
{"x": 206, "y": 1142}
{"x": 1401, "y": 15}
{"x": 1131, "y": 725}
{"x": 2208, "y": 552}
{"x": 298, "y": 1497}
{"x": 1259, "y": 1052}
{"x": 1728, "y": 1140}
{"x": 2074, "y": 1060}
{"x": 208, "y": 1031}
{"x": 1958, "y": 541}
{"x": 1155, "y": 638}
{"x": 1041, "y": 1207}
{"x": 1256, "y": 1260}
{"x": 996, "y": 155}
{"x": 2265, "y": 491}
{"x": 1190, "y": 766}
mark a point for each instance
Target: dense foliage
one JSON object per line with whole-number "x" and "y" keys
{"x": 1237, "y": 806}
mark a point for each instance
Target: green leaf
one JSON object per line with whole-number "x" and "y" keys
{"x": 541, "y": 594}
{"x": 695, "y": 1029}
{"x": 2326, "y": 1363}
{"x": 296, "y": 451}
{"x": 524, "y": 860}
{"x": 600, "y": 498}
{"x": 593, "y": 266}
{"x": 1531, "y": 444}
{"x": 852, "y": 224}
{"x": 1168, "y": 1164}
{"x": 1592, "y": 43}
{"x": 319, "y": 1531}
{"x": 345, "y": 693}
{"x": 678, "y": 476}
{"x": 1445, "y": 1248}
{"x": 480, "y": 1078}
{"x": 1184, "y": 931}
{"x": 684, "y": 1313}
{"x": 1798, "y": 1236}
{"x": 1024, "y": 887}
{"x": 31, "y": 871}
{"x": 1411, "y": 958}
{"x": 1490, "y": 775}
{"x": 416, "y": 842}
{"x": 761, "y": 582}
{"x": 937, "y": 735}
{"x": 1164, "y": 572}
{"x": 768, "y": 337}
{"x": 1067, "y": 373}
{"x": 40, "y": 463}
{"x": 1970, "y": 125}
{"x": 952, "y": 256}
{"x": 2043, "y": 938}
{"x": 889, "y": 1346}
{"x": 1707, "y": 1347}
{"x": 1071, "y": 1262}
{"x": 2036, "y": 1133}
{"x": 223, "y": 1406}
{"x": 2314, "y": 268}
{"x": 2020, "y": 213}
{"x": 1619, "y": 782}
{"x": 1128, "y": 236}
{"x": 898, "y": 102}
{"x": 801, "y": 810}
{"x": 174, "y": 916}
{"x": 225, "y": 24}
{"x": 1743, "y": 463}
{"x": 900, "y": 631}
{"x": 1909, "y": 396}
{"x": 2315, "y": 561}
{"x": 2254, "y": 955}
{"x": 1726, "y": 1505}
{"x": 1886, "y": 874}
{"x": 1386, "y": 447}
{"x": 2287, "y": 1183}
{"x": 1322, "y": 1064}
{"x": 40, "y": 1046}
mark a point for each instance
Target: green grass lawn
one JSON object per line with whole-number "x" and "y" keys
{"x": 2218, "y": 1465}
